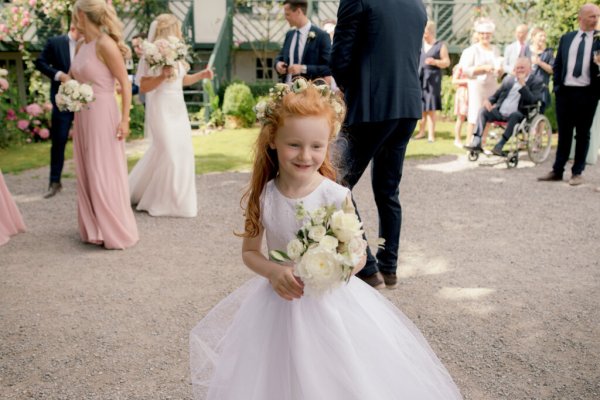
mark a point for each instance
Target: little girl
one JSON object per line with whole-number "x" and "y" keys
{"x": 461, "y": 102}
{"x": 269, "y": 340}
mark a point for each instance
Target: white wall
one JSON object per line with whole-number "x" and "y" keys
{"x": 208, "y": 18}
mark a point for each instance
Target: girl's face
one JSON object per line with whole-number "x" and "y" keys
{"x": 540, "y": 39}
{"x": 301, "y": 145}
{"x": 79, "y": 21}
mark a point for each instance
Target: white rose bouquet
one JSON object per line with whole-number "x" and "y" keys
{"x": 326, "y": 248}
{"x": 72, "y": 96}
{"x": 164, "y": 52}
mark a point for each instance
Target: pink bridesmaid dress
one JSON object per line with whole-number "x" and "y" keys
{"x": 103, "y": 209}
{"x": 11, "y": 221}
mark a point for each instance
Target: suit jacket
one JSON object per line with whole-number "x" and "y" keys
{"x": 315, "y": 55}
{"x": 55, "y": 57}
{"x": 375, "y": 58}
{"x": 511, "y": 53}
{"x": 560, "y": 63}
{"x": 531, "y": 93}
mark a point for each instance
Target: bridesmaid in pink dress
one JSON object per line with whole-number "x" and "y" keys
{"x": 11, "y": 221}
{"x": 104, "y": 212}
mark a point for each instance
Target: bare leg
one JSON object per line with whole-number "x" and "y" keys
{"x": 470, "y": 129}
{"x": 430, "y": 125}
{"x": 422, "y": 122}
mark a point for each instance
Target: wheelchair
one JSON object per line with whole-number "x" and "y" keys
{"x": 533, "y": 133}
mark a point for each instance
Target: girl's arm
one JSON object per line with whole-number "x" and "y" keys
{"x": 112, "y": 57}
{"x": 190, "y": 79}
{"x": 149, "y": 83}
{"x": 281, "y": 277}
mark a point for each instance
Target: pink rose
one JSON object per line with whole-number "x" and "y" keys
{"x": 44, "y": 133}
{"x": 23, "y": 124}
{"x": 11, "y": 115}
{"x": 32, "y": 3}
{"x": 34, "y": 109}
{"x": 48, "y": 107}
{"x": 3, "y": 84}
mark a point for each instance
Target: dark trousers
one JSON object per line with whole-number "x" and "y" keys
{"x": 575, "y": 108}
{"x": 384, "y": 143}
{"x": 486, "y": 116}
{"x": 59, "y": 133}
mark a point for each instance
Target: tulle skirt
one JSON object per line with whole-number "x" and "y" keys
{"x": 350, "y": 344}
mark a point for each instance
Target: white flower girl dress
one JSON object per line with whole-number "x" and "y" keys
{"x": 349, "y": 344}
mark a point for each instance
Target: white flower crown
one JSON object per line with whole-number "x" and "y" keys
{"x": 264, "y": 109}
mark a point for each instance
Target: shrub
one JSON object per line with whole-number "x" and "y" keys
{"x": 136, "y": 121}
{"x": 238, "y": 102}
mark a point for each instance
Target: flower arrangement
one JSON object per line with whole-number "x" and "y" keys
{"x": 72, "y": 96}
{"x": 264, "y": 109}
{"x": 164, "y": 52}
{"x": 326, "y": 248}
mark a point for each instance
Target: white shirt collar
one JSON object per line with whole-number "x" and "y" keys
{"x": 304, "y": 30}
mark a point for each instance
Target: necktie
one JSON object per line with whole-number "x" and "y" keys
{"x": 579, "y": 59}
{"x": 522, "y": 52}
{"x": 296, "y": 59}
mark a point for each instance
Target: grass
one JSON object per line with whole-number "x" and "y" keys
{"x": 219, "y": 151}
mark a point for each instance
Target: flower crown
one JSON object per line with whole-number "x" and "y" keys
{"x": 265, "y": 108}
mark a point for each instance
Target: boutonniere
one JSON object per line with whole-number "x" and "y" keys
{"x": 597, "y": 36}
{"x": 311, "y": 35}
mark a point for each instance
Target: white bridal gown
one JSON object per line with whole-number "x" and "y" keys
{"x": 163, "y": 182}
{"x": 350, "y": 344}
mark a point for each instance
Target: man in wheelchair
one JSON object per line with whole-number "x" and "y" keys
{"x": 509, "y": 104}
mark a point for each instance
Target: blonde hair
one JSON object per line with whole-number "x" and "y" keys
{"x": 430, "y": 27}
{"x": 167, "y": 25}
{"x": 309, "y": 102}
{"x": 104, "y": 16}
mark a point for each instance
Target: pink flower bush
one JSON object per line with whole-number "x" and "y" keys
{"x": 44, "y": 133}
{"x": 23, "y": 124}
{"x": 34, "y": 110}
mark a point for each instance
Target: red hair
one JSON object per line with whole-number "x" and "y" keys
{"x": 309, "y": 102}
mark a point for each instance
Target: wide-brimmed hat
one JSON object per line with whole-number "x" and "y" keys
{"x": 485, "y": 26}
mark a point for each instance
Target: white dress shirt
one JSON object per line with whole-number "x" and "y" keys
{"x": 303, "y": 37}
{"x": 583, "y": 79}
{"x": 72, "y": 44}
{"x": 511, "y": 53}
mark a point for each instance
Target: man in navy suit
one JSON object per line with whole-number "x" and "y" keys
{"x": 306, "y": 48}
{"x": 518, "y": 90}
{"x": 54, "y": 62}
{"x": 577, "y": 89}
{"x": 375, "y": 62}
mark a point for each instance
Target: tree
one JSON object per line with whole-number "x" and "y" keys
{"x": 558, "y": 17}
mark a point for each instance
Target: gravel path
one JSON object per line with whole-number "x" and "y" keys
{"x": 501, "y": 274}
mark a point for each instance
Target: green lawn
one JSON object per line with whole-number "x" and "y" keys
{"x": 219, "y": 151}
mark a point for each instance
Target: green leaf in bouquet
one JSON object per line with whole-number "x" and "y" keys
{"x": 279, "y": 256}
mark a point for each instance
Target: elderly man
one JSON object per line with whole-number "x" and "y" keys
{"x": 577, "y": 88}
{"x": 518, "y": 48}
{"x": 306, "y": 48}
{"x": 508, "y": 103}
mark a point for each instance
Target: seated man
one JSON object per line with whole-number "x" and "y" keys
{"x": 507, "y": 104}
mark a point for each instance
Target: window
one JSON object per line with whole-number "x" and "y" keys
{"x": 264, "y": 68}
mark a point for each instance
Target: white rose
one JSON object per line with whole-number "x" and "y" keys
{"x": 319, "y": 215}
{"x": 294, "y": 249}
{"x": 329, "y": 243}
{"x": 87, "y": 93}
{"x": 357, "y": 247}
{"x": 3, "y": 72}
{"x": 345, "y": 226}
{"x": 320, "y": 270}
{"x": 316, "y": 232}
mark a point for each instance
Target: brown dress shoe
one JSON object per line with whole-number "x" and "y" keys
{"x": 390, "y": 280}
{"x": 54, "y": 188}
{"x": 550, "y": 176}
{"x": 576, "y": 180}
{"x": 375, "y": 280}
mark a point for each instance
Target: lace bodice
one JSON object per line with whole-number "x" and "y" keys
{"x": 278, "y": 213}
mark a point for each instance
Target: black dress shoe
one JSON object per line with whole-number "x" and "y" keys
{"x": 54, "y": 188}
{"x": 550, "y": 176}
